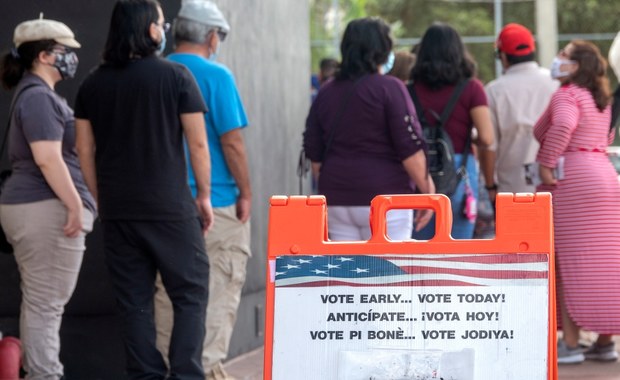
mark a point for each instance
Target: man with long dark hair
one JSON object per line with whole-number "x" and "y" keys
{"x": 132, "y": 114}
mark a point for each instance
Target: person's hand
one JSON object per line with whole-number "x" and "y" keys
{"x": 73, "y": 226}
{"x": 422, "y": 217}
{"x": 546, "y": 176}
{"x": 244, "y": 206}
{"x": 492, "y": 191}
{"x": 205, "y": 210}
{"x": 431, "y": 185}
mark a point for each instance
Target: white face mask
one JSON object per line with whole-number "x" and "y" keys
{"x": 387, "y": 66}
{"x": 557, "y": 63}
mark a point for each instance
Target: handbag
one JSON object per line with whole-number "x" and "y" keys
{"x": 5, "y": 246}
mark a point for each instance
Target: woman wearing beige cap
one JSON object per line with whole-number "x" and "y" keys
{"x": 45, "y": 207}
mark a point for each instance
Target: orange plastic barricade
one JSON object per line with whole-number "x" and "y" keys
{"x": 438, "y": 309}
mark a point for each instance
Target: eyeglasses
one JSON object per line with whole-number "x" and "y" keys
{"x": 497, "y": 53}
{"x": 60, "y": 49}
{"x": 165, "y": 26}
{"x": 221, "y": 35}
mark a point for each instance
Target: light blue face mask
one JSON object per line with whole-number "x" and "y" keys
{"x": 387, "y": 66}
{"x": 162, "y": 44}
{"x": 213, "y": 55}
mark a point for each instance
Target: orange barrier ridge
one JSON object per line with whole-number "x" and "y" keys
{"x": 298, "y": 226}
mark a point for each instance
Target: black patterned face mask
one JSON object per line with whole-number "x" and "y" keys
{"x": 66, "y": 63}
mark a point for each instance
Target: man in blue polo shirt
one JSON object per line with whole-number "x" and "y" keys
{"x": 199, "y": 29}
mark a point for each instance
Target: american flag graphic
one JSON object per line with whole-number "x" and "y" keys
{"x": 412, "y": 270}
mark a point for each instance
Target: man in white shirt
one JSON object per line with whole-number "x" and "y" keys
{"x": 516, "y": 101}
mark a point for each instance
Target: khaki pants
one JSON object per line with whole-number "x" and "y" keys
{"x": 49, "y": 264}
{"x": 228, "y": 249}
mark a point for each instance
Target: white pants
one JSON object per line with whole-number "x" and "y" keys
{"x": 352, "y": 223}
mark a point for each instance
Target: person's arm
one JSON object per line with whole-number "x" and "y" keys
{"x": 316, "y": 169}
{"x": 563, "y": 119}
{"x": 481, "y": 118}
{"x": 415, "y": 166}
{"x": 196, "y": 136}
{"x": 234, "y": 151}
{"x": 85, "y": 146}
{"x": 486, "y": 157}
{"x": 546, "y": 175}
{"x": 48, "y": 157}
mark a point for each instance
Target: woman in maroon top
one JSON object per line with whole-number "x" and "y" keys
{"x": 363, "y": 138}
{"x": 442, "y": 63}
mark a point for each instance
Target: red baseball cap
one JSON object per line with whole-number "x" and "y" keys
{"x": 515, "y": 39}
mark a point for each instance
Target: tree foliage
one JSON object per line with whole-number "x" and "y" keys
{"x": 410, "y": 18}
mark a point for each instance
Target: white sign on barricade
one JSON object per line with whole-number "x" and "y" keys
{"x": 442, "y": 309}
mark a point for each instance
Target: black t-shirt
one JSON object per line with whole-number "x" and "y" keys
{"x": 134, "y": 112}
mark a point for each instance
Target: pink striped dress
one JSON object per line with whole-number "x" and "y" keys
{"x": 586, "y": 207}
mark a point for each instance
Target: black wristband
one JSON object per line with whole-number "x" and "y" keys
{"x": 492, "y": 187}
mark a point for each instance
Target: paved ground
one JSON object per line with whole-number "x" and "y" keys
{"x": 590, "y": 371}
{"x": 250, "y": 367}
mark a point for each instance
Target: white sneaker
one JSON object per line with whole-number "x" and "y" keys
{"x": 569, "y": 355}
{"x": 605, "y": 353}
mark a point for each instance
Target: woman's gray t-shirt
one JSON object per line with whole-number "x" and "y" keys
{"x": 40, "y": 114}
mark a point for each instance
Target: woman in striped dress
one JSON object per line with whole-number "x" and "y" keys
{"x": 586, "y": 201}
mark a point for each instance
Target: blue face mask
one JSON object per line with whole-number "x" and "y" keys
{"x": 162, "y": 44}
{"x": 213, "y": 55}
{"x": 387, "y": 66}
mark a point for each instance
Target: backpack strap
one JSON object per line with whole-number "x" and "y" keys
{"x": 456, "y": 94}
{"x": 445, "y": 115}
{"x": 447, "y": 111}
{"x": 418, "y": 106}
{"x": 462, "y": 170}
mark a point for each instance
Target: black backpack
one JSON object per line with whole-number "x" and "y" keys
{"x": 440, "y": 157}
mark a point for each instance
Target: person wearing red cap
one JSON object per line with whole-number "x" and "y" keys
{"x": 516, "y": 100}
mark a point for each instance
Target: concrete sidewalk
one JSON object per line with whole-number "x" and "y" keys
{"x": 249, "y": 366}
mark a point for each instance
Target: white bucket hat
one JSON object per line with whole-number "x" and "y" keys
{"x": 204, "y": 12}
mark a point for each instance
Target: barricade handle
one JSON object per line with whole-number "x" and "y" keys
{"x": 381, "y": 204}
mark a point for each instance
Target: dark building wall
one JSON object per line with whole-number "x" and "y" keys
{"x": 268, "y": 51}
